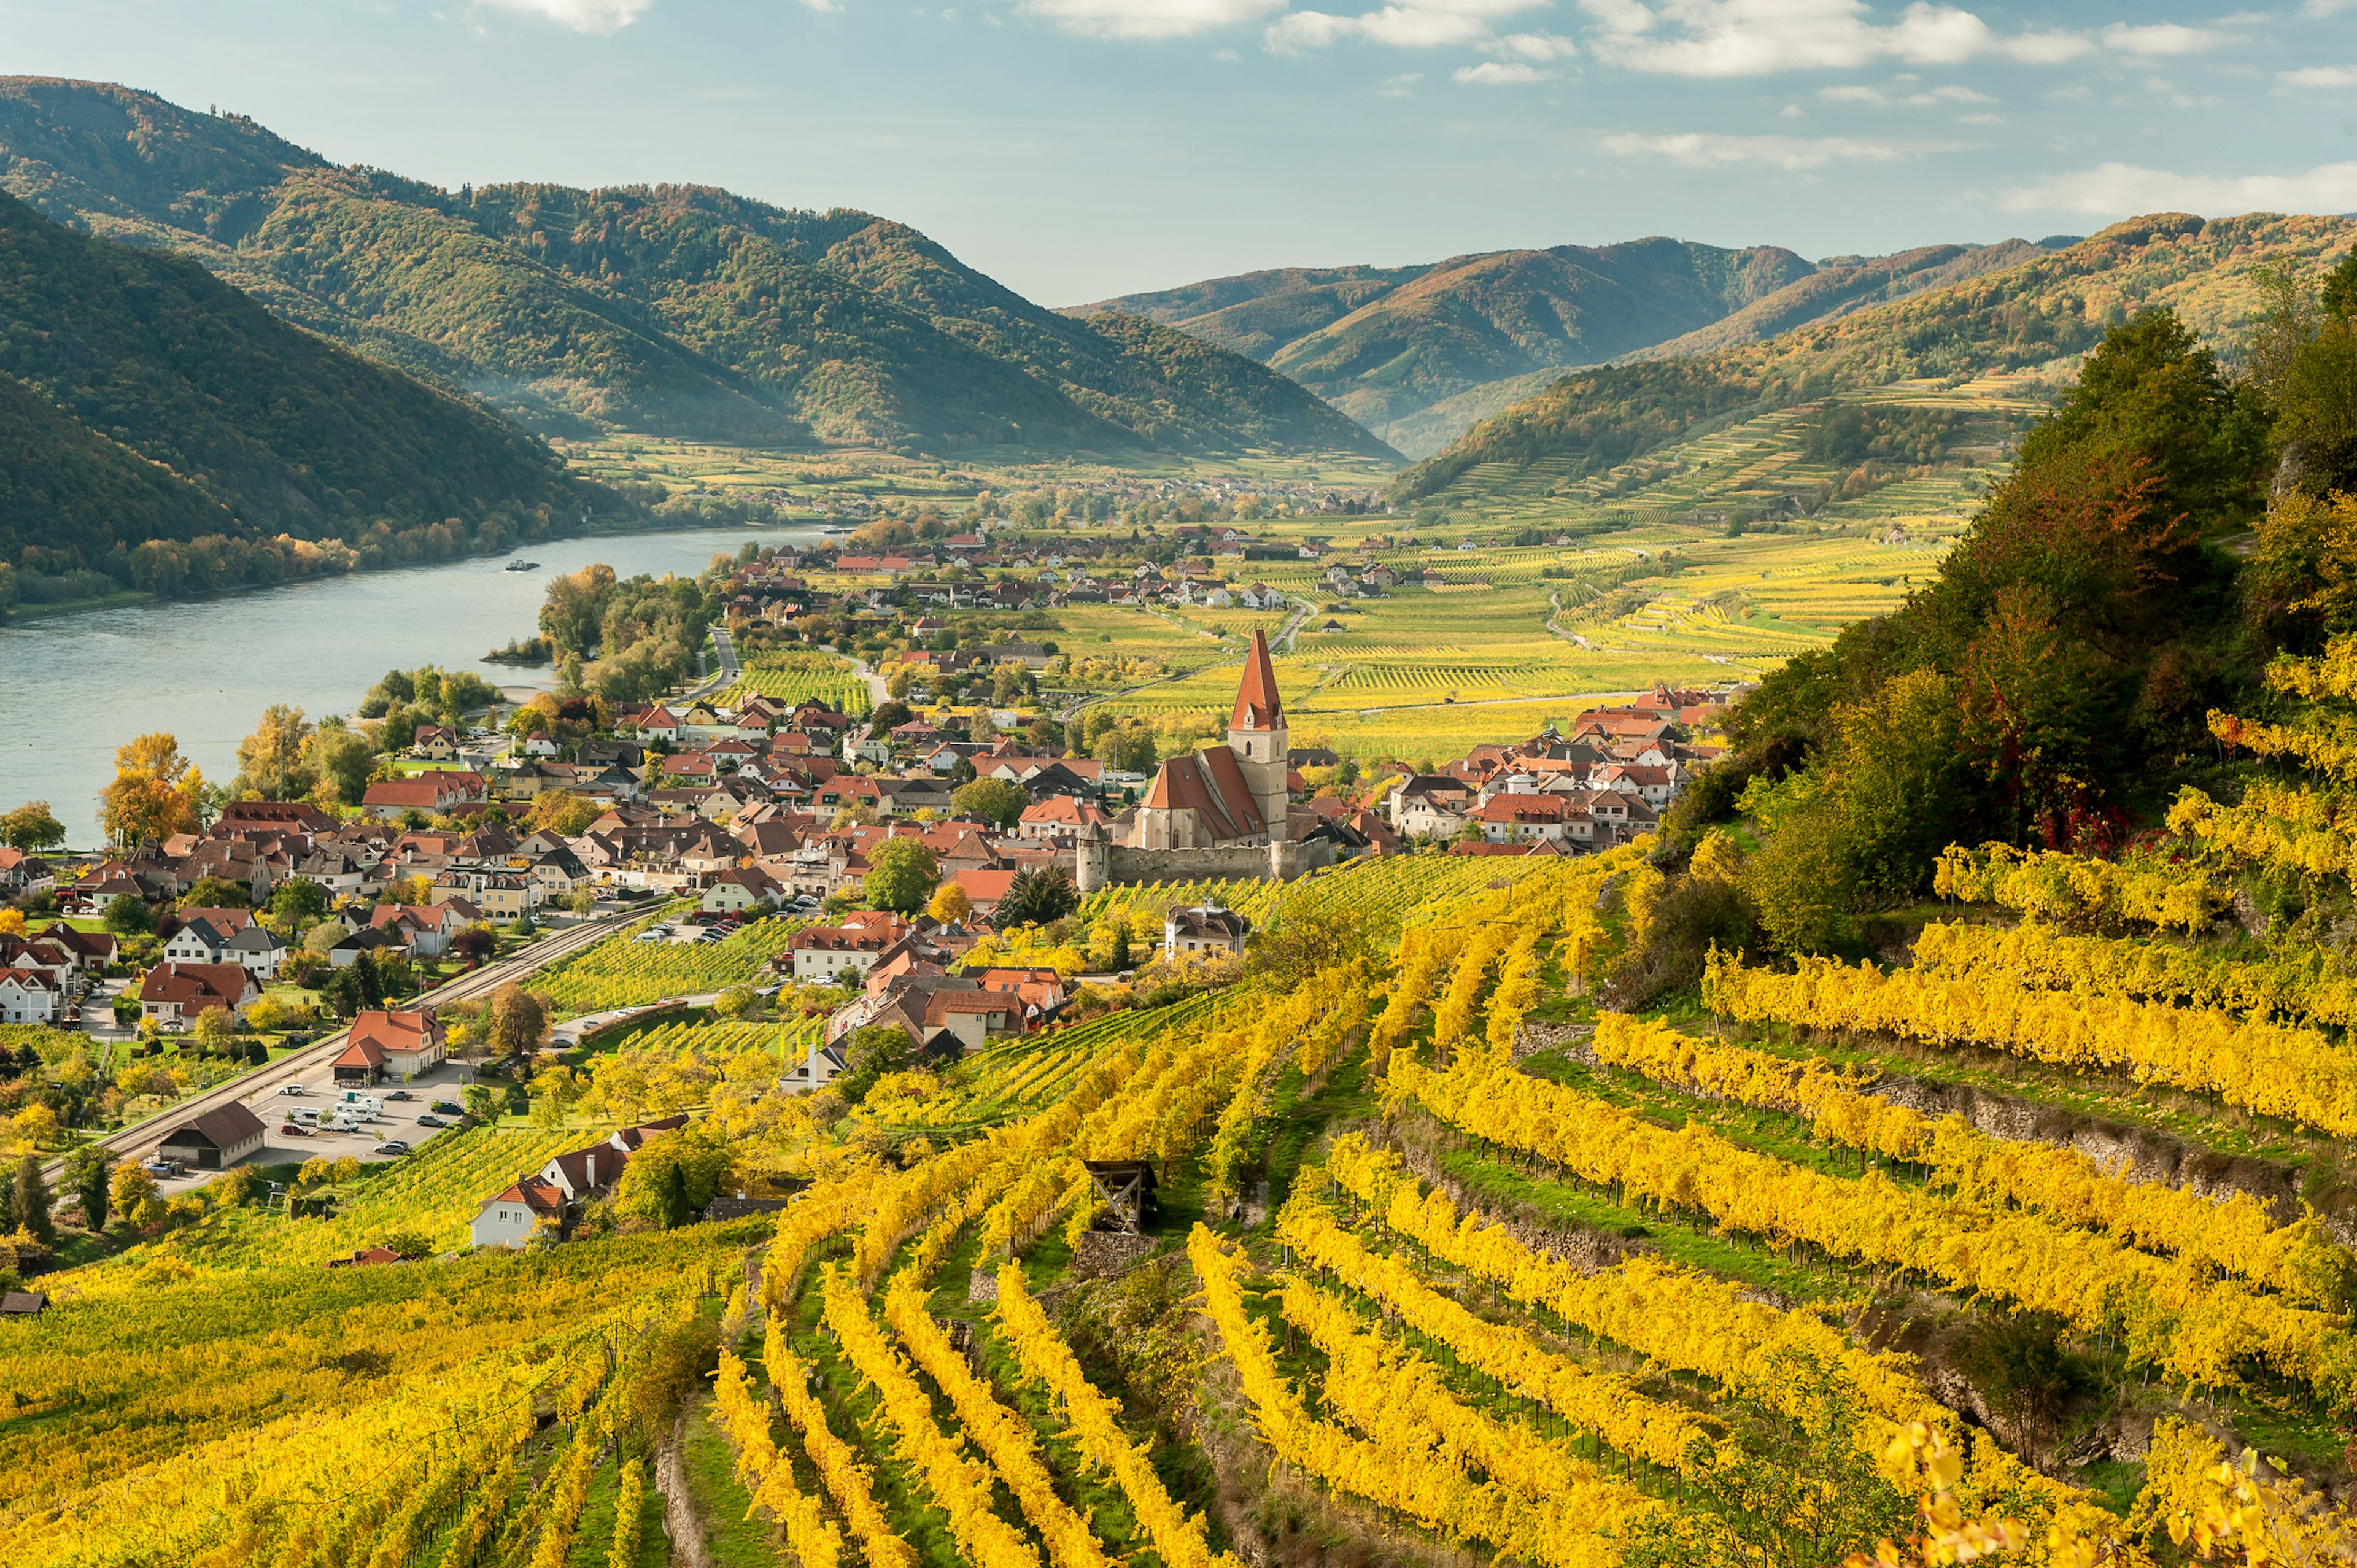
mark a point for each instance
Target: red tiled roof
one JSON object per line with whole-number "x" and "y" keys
{"x": 404, "y": 1032}
{"x": 1209, "y": 783}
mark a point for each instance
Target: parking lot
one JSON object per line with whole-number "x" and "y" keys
{"x": 398, "y": 1120}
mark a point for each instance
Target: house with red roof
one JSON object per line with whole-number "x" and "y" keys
{"x": 511, "y": 1218}
{"x": 176, "y": 993}
{"x": 435, "y": 794}
{"x": 391, "y": 1044}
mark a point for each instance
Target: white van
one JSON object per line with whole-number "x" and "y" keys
{"x": 345, "y": 1120}
{"x": 369, "y": 1104}
{"x": 305, "y": 1116}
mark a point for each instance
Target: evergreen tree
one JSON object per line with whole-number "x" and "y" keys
{"x": 33, "y": 1202}
{"x": 675, "y": 1198}
{"x": 86, "y": 1175}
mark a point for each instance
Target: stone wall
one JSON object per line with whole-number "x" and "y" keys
{"x": 1128, "y": 865}
{"x": 1104, "y": 1252}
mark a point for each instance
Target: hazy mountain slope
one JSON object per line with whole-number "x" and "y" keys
{"x": 1419, "y": 354}
{"x": 1259, "y": 313}
{"x": 1843, "y": 283}
{"x": 675, "y": 309}
{"x": 263, "y": 429}
{"x": 1390, "y": 346}
{"x": 2051, "y": 307}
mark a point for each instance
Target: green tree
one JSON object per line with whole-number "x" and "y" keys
{"x": 1039, "y": 896}
{"x": 339, "y": 758}
{"x": 86, "y": 1177}
{"x": 901, "y": 874}
{"x": 217, "y": 892}
{"x": 31, "y": 826}
{"x": 32, "y": 1202}
{"x": 273, "y": 763}
{"x": 991, "y": 800}
{"x": 298, "y": 900}
{"x": 126, "y": 916}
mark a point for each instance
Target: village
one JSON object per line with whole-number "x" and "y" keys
{"x": 914, "y": 870}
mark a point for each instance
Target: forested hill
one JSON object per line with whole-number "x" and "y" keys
{"x": 159, "y": 428}
{"x": 2046, "y": 309}
{"x": 676, "y": 309}
{"x": 1418, "y": 353}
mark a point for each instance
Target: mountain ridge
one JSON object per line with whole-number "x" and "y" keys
{"x": 1417, "y": 353}
{"x": 160, "y": 427}
{"x": 675, "y": 309}
{"x": 2046, "y": 309}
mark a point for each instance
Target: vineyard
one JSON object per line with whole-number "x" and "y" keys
{"x": 1440, "y": 1257}
{"x": 622, "y": 971}
{"x": 797, "y": 676}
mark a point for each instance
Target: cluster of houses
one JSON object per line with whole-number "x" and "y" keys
{"x": 549, "y": 1201}
{"x": 1606, "y": 783}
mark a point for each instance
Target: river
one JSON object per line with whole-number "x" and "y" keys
{"x": 73, "y": 687}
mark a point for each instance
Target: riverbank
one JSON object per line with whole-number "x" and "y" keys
{"x": 131, "y": 596}
{"x": 204, "y": 669}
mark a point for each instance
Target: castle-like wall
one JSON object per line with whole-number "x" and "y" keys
{"x": 1125, "y": 864}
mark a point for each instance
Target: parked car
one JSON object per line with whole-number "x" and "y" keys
{"x": 392, "y": 1146}
{"x": 292, "y": 1089}
{"x": 447, "y": 1108}
{"x": 291, "y": 1131}
{"x": 399, "y": 1094}
{"x": 430, "y": 1120}
{"x": 162, "y": 1167}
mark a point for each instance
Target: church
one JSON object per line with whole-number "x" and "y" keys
{"x": 1225, "y": 796}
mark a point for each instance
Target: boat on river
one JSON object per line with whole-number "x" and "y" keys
{"x": 521, "y": 565}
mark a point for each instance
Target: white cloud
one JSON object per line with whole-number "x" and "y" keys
{"x": 1406, "y": 24}
{"x": 2119, "y": 191}
{"x": 1709, "y": 150}
{"x": 1146, "y": 18}
{"x": 1879, "y": 99}
{"x": 1535, "y": 47}
{"x": 1400, "y": 86}
{"x": 1756, "y": 37}
{"x": 582, "y": 16}
{"x": 1501, "y": 73}
{"x": 2321, "y": 76}
{"x": 2159, "y": 39}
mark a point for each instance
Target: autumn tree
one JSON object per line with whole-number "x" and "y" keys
{"x": 156, "y": 792}
{"x": 516, "y": 1023}
{"x": 950, "y": 904}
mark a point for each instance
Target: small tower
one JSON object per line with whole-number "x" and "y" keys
{"x": 1092, "y": 858}
{"x": 1256, "y": 734}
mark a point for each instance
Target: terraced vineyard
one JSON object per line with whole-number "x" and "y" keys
{"x": 1594, "y": 1306}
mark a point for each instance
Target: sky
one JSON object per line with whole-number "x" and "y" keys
{"x": 1079, "y": 149}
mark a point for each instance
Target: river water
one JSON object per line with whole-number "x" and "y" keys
{"x": 74, "y": 687}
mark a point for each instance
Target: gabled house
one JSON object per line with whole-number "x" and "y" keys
{"x": 397, "y": 1043}
{"x": 216, "y": 1140}
{"x": 179, "y": 992}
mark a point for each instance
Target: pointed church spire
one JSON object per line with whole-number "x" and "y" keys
{"x": 1256, "y": 703}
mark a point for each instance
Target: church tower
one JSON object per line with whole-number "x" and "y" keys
{"x": 1256, "y": 735}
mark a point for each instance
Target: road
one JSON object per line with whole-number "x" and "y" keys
{"x": 143, "y": 1137}
{"x": 728, "y": 673}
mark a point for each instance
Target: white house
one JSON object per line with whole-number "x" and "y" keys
{"x": 27, "y": 996}
{"x": 509, "y": 1219}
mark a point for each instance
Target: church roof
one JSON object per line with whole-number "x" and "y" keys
{"x": 1211, "y": 784}
{"x": 1256, "y": 702}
